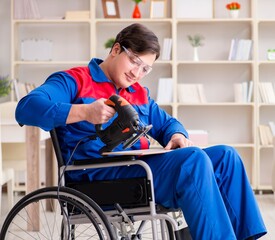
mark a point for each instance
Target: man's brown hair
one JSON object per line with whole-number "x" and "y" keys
{"x": 139, "y": 39}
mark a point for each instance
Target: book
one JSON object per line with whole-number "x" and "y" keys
{"x": 20, "y": 89}
{"x": 250, "y": 91}
{"x": 201, "y": 92}
{"x": 191, "y": 93}
{"x": 262, "y": 93}
{"x": 165, "y": 91}
{"x": 233, "y": 49}
{"x": 26, "y": 9}
{"x": 266, "y": 92}
{"x": 198, "y": 137}
{"x": 167, "y": 49}
{"x": 188, "y": 93}
{"x": 268, "y": 88}
{"x": 272, "y": 127}
{"x": 29, "y": 87}
{"x": 262, "y": 135}
{"x": 71, "y": 15}
{"x": 16, "y": 90}
{"x": 265, "y": 134}
{"x": 238, "y": 92}
{"x": 194, "y": 9}
{"x": 240, "y": 49}
{"x": 269, "y": 134}
{"x": 243, "y": 92}
{"x": 36, "y": 49}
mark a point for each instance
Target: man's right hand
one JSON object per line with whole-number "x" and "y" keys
{"x": 97, "y": 112}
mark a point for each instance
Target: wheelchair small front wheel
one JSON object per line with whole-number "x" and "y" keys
{"x": 56, "y": 213}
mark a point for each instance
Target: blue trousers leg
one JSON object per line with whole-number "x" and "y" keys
{"x": 236, "y": 192}
{"x": 209, "y": 185}
{"x": 187, "y": 181}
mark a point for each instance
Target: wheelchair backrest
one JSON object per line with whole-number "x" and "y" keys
{"x": 57, "y": 150}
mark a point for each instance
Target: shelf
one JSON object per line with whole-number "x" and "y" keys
{"x": 51, "y": 62}
{"x": 50, "y": 21}
{"x": 229, "y": 122}
{"x": 215, "y": 62}
{"x": 215, "y": 104}
{"x": 214, "y": 20}
{"x": 238, "y": 145}
{"x": 266, "y": 62}
{"x": 131, "y": 20}
{"x": 266, "y": 104}
{"x": 266, "y": 21}
{"x": 265, "y": 146}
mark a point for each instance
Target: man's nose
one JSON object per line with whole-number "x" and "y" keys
{"x": 137, "y": 70}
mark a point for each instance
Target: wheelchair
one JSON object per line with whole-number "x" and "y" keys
{"x": 115, "y": 209}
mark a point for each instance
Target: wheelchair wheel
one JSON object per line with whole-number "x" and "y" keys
{"x": 50, "y": 213}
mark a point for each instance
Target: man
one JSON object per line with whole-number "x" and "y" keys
{"x": 209, "y": 185}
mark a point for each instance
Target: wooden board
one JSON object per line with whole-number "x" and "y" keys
{"x": 142, "y": 152}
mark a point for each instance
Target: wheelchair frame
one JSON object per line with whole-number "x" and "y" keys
{"x": 120, "y": 220}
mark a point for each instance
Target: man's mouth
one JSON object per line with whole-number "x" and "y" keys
{"x": 129, "y": 78}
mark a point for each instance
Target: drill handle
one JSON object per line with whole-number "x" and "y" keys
{"x": 116, "y": 102}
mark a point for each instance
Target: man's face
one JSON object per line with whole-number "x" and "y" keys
{"x": 128, "y": 67}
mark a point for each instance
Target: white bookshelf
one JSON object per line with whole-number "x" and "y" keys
{"x": 226, "y": 121}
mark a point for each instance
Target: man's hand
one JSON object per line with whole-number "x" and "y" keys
{"x": 97, "y": 112}
{"x": 178, "y": 141}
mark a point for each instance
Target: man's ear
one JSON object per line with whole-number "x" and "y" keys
{"x": 116, "y": 49}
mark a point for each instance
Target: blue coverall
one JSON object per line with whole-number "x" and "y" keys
{"x": 210, "y": 185}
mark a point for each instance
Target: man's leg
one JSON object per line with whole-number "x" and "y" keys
{"x": 184, "y": 178}
{"x": 236, "y": 192}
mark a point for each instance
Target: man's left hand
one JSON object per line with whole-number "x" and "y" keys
{"x": 178, "y": 141}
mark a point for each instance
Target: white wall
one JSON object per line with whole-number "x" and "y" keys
{"x": 5, "y": 43}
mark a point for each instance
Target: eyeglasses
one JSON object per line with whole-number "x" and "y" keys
{"x": 137, "y": 62}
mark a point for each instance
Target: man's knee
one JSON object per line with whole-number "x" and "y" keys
{"x": 197, "y": 157}
{"x": 230, "y": 154}
{"x": 224, "y": 155}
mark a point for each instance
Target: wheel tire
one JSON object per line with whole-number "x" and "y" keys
{"x": 56, "y": 213}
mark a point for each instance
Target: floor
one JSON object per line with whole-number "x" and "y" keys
{"x": 266, "y": 203}
{"x": 267, "y": 206}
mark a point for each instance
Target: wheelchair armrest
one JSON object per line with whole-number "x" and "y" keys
{"x": 108, "y": 159}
